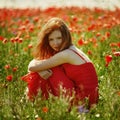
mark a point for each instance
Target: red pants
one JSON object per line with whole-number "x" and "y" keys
{"x": 51, "y": 85}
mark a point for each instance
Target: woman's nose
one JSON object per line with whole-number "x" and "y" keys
{"x": 56, "y": 42}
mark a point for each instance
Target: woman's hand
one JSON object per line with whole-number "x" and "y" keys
{"x": 45, "y": 74}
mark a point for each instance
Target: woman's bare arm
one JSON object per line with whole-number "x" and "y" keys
{"x": 56, "y": 60}
{"x": 45, "y": 74}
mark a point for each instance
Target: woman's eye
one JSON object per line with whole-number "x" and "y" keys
{"x": 50, "y": 39}
{"x": 59, "y": 38}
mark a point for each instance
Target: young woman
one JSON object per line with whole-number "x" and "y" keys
{"x": 58, "y": 62}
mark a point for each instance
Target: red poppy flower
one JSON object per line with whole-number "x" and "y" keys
{"x": 81, "y": 42}
{"x": 36, "y": 19}
{"x": 12, "y": 40}
{"x": 1, "y": 38}
{"x": 116, "y": 53}
{"x": 15, "y": 69}
{"x": 118, "y": 44}
{"x": 45, "y": 109}
{"x": 27, "y": 21}
{"x": 113, "y": 44}
{"x": 30, "y": 46}
{"x": 31, "y": 28}
{"x": 107, "y": 34}
{"x": 20, "y": 40}
{"x": 75, "y": 19}
{"x": 98, "y": 34}
{"x": 22, "y": 28}
{"x": 9, "y": 77}
{"x": 7, "y": 66}
{"x": 5, "y": 40}
{"x": 89, "y": 52}
{"x": 108, "y": 59}
{"x": 92, "y": 27}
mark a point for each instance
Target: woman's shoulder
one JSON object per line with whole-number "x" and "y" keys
{"x": 68, "y": 52}
{"x": 65, "y": 53}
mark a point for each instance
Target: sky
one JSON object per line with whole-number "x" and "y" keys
{"x": 106, "y": 4}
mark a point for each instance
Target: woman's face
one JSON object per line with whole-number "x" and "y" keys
{"x": 55, "y": 40}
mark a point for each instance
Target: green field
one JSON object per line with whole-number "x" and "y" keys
{"x": 95, "y": 31}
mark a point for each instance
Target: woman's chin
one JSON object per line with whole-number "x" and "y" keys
{"x": 56, "y": 49}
